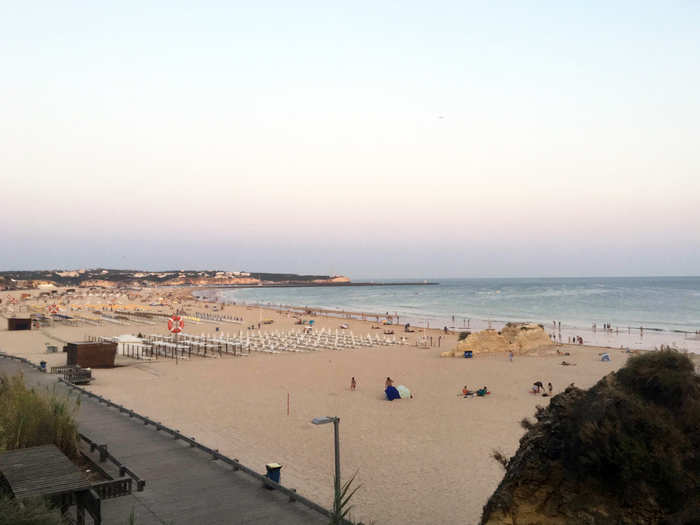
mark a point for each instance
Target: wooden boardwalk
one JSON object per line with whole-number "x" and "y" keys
{"x": 183, "y": 484}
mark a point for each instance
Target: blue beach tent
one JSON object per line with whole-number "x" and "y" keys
{"x": 392, "y": 393}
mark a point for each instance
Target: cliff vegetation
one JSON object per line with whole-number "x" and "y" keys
{"x": 623, "y": 452}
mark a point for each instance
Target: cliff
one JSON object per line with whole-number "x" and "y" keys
{"x": 623, "y": 452}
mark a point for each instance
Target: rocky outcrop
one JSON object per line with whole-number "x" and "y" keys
{"x": 623, "y": 452}
{"x": 519, "y": 338}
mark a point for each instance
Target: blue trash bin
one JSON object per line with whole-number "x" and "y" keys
{"x": 42, "y": 365}
{"x": 273, "y": 471}
{"x": 467, "y": 353}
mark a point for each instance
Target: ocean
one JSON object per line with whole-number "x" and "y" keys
{"x": 665, "y": 304}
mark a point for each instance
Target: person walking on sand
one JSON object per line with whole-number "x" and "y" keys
{"x": 353, "y": 384}
{"x": 510, "y": 356}
{"x": 550, "y": 388}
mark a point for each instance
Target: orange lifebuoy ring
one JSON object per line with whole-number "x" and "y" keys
{"x": 176, "y": 324}
{"x": 53, "y": 309}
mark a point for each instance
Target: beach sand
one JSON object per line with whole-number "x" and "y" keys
{"x": 421, "y": 460}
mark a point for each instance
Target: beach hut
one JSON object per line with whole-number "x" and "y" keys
{"x": 88, "y": 354}
{"x": 19, "y": 323}
{"x": 129, "y": 344}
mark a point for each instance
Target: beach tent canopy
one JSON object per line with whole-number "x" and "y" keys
{"x": 127, "y": 338}
{"x": 392, "y": 393}
{"x": 404, "y": 392}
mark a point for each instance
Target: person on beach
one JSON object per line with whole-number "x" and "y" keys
{"x": 353, "y": 384}
{"x": 550, "y": 388}
{"x": 538, "y": 385}
{"x": 510, "y": 356}
{"x": 389, "y": 382}
{"x": 465, "y": 391}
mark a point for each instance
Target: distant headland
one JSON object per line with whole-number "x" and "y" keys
{"x": 110, "y": 278}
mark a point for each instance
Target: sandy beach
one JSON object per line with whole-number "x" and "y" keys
{"x": 422, "y": 460}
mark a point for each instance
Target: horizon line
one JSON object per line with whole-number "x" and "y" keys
{"x": 368, "y": 278}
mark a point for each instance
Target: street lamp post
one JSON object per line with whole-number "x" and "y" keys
{"x": 335, "y": 421}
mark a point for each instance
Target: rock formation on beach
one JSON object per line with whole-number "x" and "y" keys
{"x": 520, "y": 338}
{"x": 626, "y": 451}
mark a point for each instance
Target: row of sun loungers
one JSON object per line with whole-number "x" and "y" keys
{"x": 300, "y": 341}
{"x": 267, "y": 342}
{"x": 184, "y": 346}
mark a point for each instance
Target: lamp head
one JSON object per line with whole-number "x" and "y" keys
{"x": 323, "y": 420}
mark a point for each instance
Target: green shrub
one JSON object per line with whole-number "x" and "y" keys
{"x": 341, "y": 502}
{"x": 31, "y": 512}
{"x": 637, "y": 432}
{"x": 665, "y": 377}
{"x": 31, "y": 417}
{"x": 463, "y": 336}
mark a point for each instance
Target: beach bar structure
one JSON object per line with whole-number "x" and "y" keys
{"x": 91, "y": 354}
{"x": 19, "y": 323}
{"x": 46, "y": 472}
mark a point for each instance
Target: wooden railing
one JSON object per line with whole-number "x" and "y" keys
{"x": 192, "y": 442}
{"x": 106, "y": 456}
{"x": 61, "y": 369}
{"x": 73, "y": 374}
{"x": 113, "y": 488}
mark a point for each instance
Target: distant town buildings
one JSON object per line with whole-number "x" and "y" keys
{"x": 103, "y": 278}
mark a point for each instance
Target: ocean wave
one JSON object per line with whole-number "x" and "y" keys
{"x": 576, "y": 302}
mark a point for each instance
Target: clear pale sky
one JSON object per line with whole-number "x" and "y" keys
{"x": 424, "y": 139}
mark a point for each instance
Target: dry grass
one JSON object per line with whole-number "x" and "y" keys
{"x": 31, "y": 417}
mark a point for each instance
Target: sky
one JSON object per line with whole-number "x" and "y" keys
{"x": 377, "y": 139}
